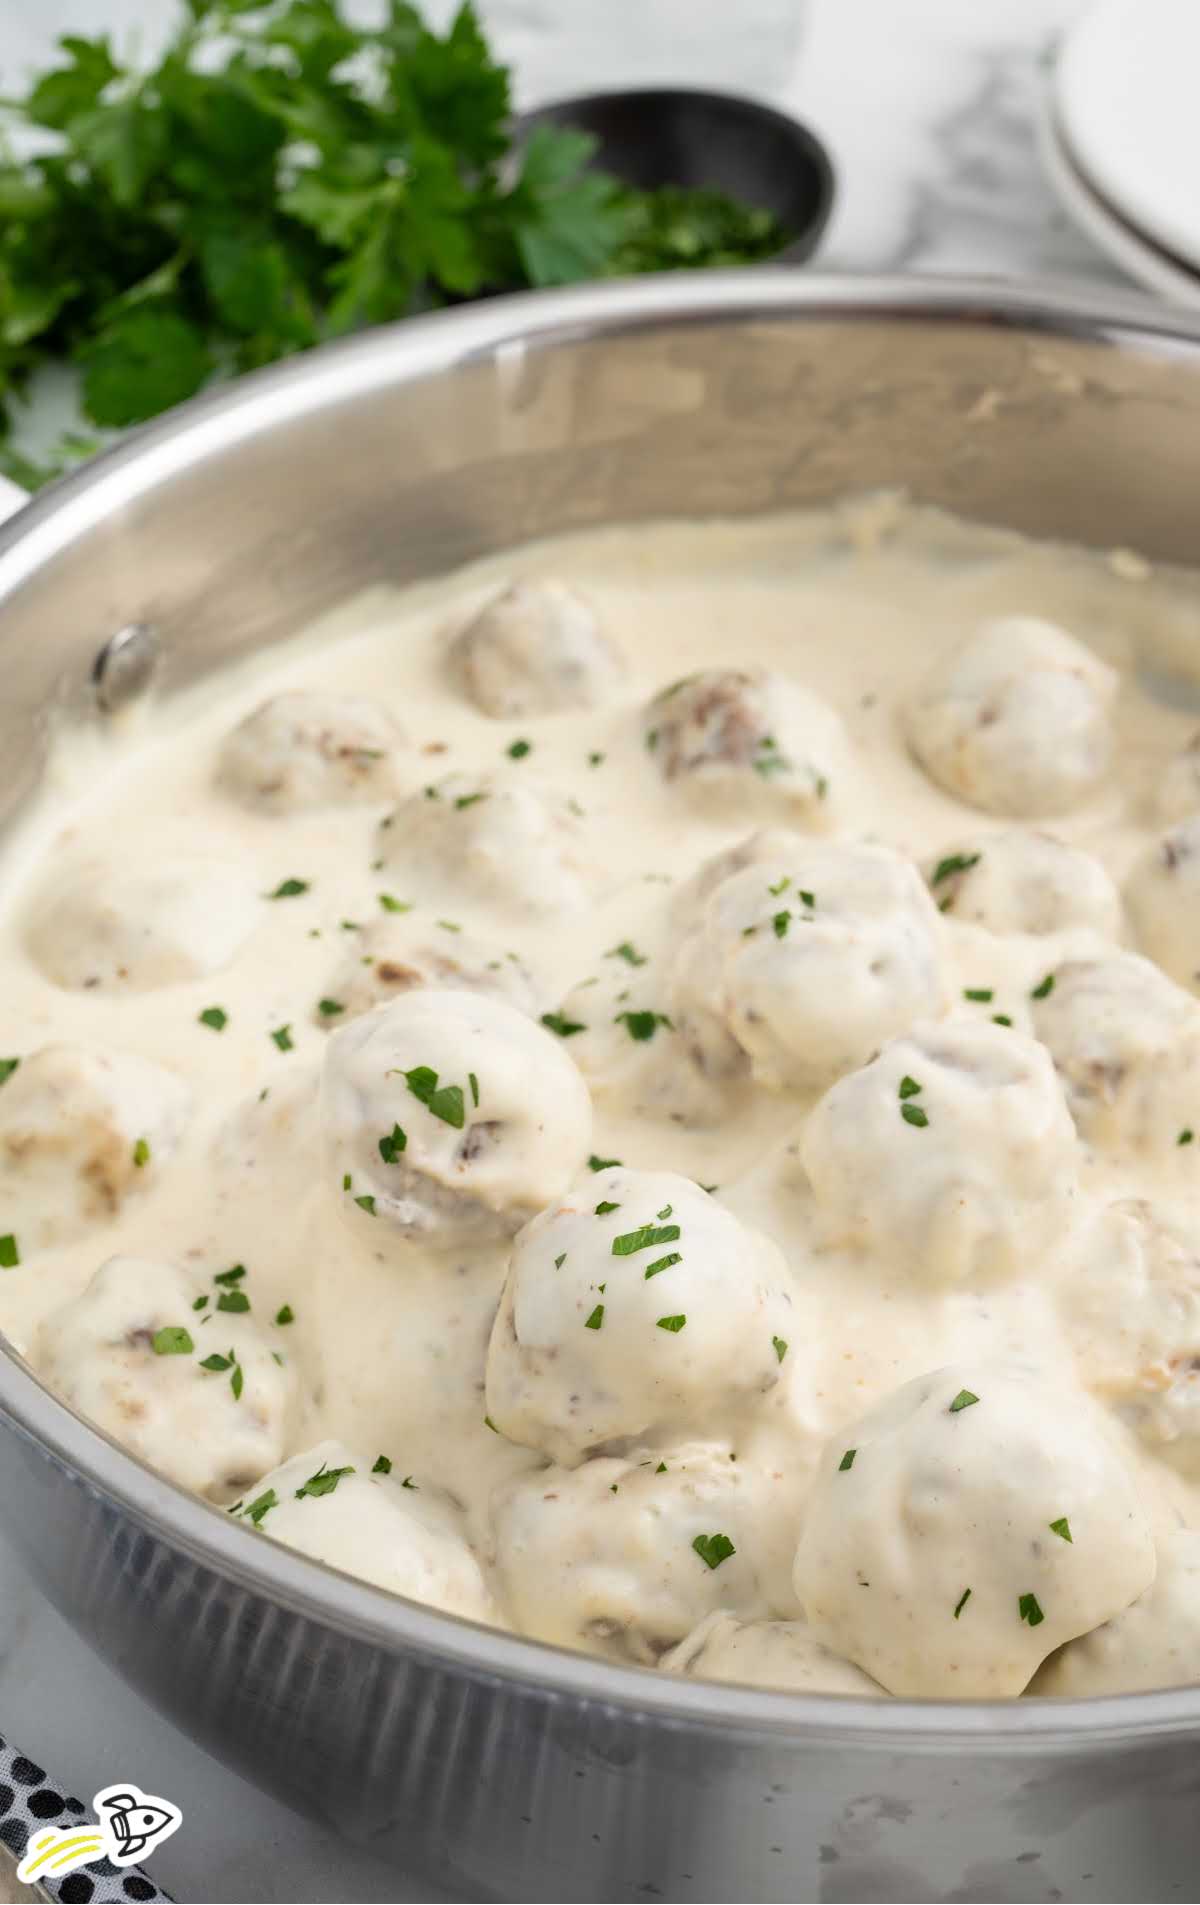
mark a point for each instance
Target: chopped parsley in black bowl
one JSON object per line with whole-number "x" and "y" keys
{"x": 732, "y": 182}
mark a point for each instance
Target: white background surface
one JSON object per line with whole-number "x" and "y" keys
{"x": 928, "y": 107}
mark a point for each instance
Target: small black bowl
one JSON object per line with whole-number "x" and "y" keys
{"x": 676, "y": 136}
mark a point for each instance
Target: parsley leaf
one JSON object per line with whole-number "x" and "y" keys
{"x": 713, "y": 1549}
{"x": 642, "y": 1025}
{"x": 323, "y": 1482}
{"x": 631, "y": 1241}
{"x": 173, "y": 1340}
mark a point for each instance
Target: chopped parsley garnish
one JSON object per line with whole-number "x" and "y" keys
{"x": 602, "y": 1209}
{"x": 229, "y": 1277}
{"x": 141, "y": 1154}
{"x": 566, "y": 1028}
{"x": 595, "y": 760}
{"x": 391, "y": 904}
{"x": 560, "y": 1260}
{"x": 768, "y": 760}
{"x": 201, "y": 1303}
{"x": 288, "y": 890}
{"x": 661, "y": 1469}
{"x": 216, "y": 1363}
{"x": 323, "y": 1482}
{"x": 282, "y": 1037}
{"x": 963, "y": 1598}
{"x": 448, "y": 925}
{"x": 1062, "y": 1527}
{"x": 673, "y": 1324}
{"x": 409, "y": 1483}
{"x": 780, "y": 886}
{"x": 467, "y": 800}
{"x": 979, "y": 995}
{"x": 628, "y": 952}
{"x": 214, "y": 1018}
{"x": 602, "y": 1164}
{"x": 965, "y": 1399}
{"x": 806, "y": 898}
{"x": 1028, "y": 1610}
{"x": 174, "y": 1340}
{"x": 366, "y": 1202}
{"x": 7, "y": 1067}
{"x": 953, "y": 863}
{"x": 642, "y": 1025}
{"x": 912, "y": 1114}
{"x": 1001, "y": 1018}
{"x": 1186, "y": 1135}
{"x": 234, "y": 1301}
{"x": 237, "y": 1381}
{"x": 596, "y": 1319}
{"x": 1045, "y": 989}
{"x": 10, "y": 1256}
{"x": 392, "y": 1143}
{"x": 847, "y": 1461}
{"x": 664, "y": 1213}
{"x": 779, "y": 1345}
{"x": 651, "y": 739}
{"x": 350, "y": 926}
{"x": 442, "y": 1101}
{"x": 473, "y": 1082}
{"x": 519, "y": 749}
{"x": 781, "y": 922}
{"x": 329, "y": 1008}
{"x": 382, "y": 1465}
{"x": 643, "y": 1238}
{"x": 489, "y": 1424}
{"x": 661, "y": 1264}
{"x": 346, "y": 1181}
{"x": 713, "y": 1549}
{"x": 285, "y": 1314}
{"x": 908, "y": 1087}
{"x": 262, "y": 1506}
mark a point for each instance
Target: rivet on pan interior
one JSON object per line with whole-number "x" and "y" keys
{"x": 125, "y": 666}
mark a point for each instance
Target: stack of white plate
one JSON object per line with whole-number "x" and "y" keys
{"x": 1120, "y": 137}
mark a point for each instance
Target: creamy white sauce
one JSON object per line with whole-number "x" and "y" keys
{"x": 386, "y": 1353}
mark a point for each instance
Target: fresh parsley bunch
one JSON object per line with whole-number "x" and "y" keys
{"x": 278, "y": 178}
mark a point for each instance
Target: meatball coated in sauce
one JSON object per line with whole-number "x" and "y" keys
{"x": 1023, "y": 881}
{"x": 1163, "y": 897}
{"x": 1154, "y": 1642}
{"x": 1125, "y": 1041}
{"x": 952, "y": 1155}
{"x": 1016, "y": 719}
{"x": 405, "y": 951}
{"x": 637, "y": 1305}
{"x": 81, "y": 1131}
{"x": 449, "y": 1118}
{"x": 967, "y": 1526}
{"x": 129, "y": 1355}
{"x": 604, "y": 1557}
{"x": 747, "y": 740}
{"x": 331, "y": 1503}
{"x": 765, "y": 1654}
{"x": 1132, "y": 1315}
{"x": 110, "y": 926}
{"x": 800, "y": 966}
{"x": 302, "y": 751}
{"x": 536, "y": 648}
{"x": 514, "y": 845}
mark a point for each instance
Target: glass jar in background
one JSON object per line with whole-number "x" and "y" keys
{"x": 556, "y": 47}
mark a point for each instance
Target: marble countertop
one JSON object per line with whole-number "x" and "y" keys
{"x": 928, "y": 109}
